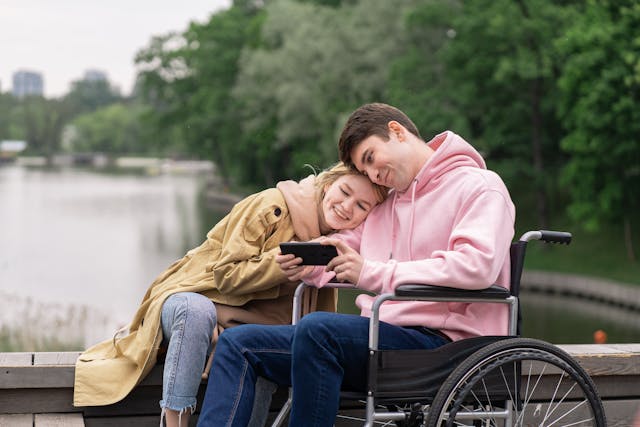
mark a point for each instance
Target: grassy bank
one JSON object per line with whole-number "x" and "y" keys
{"x": 13, "y": 339}
{"x": 601, "y": 254}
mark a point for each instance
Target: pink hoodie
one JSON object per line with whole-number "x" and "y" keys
{"x": 452, "y": 227}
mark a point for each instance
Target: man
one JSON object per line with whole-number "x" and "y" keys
{"x": 448, "y": 221}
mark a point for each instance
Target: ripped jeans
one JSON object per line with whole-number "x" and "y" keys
{"x": 188, "y": 320}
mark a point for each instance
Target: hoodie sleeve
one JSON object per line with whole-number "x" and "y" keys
{"x": 476, "y": 251}
{"x": 318, "y": 277}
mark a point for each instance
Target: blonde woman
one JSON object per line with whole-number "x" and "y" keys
{"x": 230, "y": 279}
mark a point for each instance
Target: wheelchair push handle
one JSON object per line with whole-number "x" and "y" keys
{"x": 548, "y": 236}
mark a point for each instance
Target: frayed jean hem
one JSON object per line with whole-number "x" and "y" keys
{"x": 191, "y": 408}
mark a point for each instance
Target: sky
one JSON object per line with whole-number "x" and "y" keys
{"x": 64, "y": 38}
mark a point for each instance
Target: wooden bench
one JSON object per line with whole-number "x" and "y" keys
{"x": 36, "y": 389}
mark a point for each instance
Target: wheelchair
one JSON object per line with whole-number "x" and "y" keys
{"x": 481, "y": 381}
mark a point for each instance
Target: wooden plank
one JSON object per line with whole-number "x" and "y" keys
{"x": 137, "y": 421}
{"x": 36, "y": 377}
{"x": 620, "y": 364}
{"x": 621, "y": 413}
{"x": 44, "y": 400}
{"x": 617, "y": 387}
{"x": 56, "y": 358}
{"x": 590, "y": 349}
{"x": 58, "y": 420}
{"x": 17, "y": 420}
{"x": 15, "y": 359}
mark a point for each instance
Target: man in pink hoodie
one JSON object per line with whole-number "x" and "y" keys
{"x": 448, "y": 221}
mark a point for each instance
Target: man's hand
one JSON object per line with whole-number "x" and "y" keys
{"x": 290, "y": 265}
{"x": 347, "y": 265}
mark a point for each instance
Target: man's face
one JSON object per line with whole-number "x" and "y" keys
{"x": 386, "y": 163}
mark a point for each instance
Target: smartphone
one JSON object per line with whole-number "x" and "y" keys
{"x": 312, "y": 253}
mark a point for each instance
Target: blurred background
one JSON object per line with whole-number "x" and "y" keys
{"x": 104, "y": 183}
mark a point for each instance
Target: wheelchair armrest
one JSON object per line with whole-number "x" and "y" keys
{"x": 442, "y": 292}
{"x": 296, "y": 314}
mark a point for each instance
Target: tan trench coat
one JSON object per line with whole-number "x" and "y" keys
{"x": 234, "y": 267}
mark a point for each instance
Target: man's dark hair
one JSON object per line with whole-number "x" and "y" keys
{"x": 368, "y": 120}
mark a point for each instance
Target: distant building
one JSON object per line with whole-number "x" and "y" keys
{"x": 27, "y": 83}
{"x": 95, "y": 75}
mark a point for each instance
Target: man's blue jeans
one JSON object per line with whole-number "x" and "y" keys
{"x": 322, "y": 354}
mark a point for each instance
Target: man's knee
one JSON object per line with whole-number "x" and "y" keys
{"x": 240, "y": 336}
{"x": 315, "y": 325}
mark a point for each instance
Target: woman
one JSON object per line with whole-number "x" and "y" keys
{"x": 230, "y": 279}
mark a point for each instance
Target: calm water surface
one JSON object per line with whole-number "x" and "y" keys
{"x": 78, "y": 249}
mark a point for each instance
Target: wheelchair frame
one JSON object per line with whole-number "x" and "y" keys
{"x": 488, "y": 356}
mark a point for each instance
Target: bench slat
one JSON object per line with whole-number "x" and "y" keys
{"x": 59, "y": 420}
{"x": 17, "y": 420}
{"x": 56, "y": 358}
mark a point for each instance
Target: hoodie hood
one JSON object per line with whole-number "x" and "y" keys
{"x": 301, "y": 201}
{"x": 450, "y": 152}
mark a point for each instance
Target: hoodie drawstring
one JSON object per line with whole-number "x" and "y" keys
{"x": 413, "y": 214}
{"x": 393, "y": 222}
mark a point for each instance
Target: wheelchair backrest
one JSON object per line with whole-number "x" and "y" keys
{"x": 517, "y": 252}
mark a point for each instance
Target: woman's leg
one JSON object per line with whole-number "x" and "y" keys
{"x": 242, "y": 354}
{"x": 330, "y": 351}
{"x": 188, "y": 320}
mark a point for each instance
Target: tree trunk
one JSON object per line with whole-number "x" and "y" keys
{"x": 628, "y": 239}
{"x": 536, "y": 155}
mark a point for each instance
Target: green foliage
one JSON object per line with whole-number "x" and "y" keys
{"x": 543, "y": 89}
{"x": 489, "y": 70}
{"x": 112, "y": 129}
{"x": 600, "y": 108}
{"x": 316, "y": 65}
{"x": 187, "y": 79}
{"x": 41, "y": 122}
{"x": 88, "y": 95}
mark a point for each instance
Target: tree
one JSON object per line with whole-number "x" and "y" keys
{"x": 600, "y": 108}
{"x": 112, "y": 129}
{"x": 489, "y": 67}
{"x": 187, "y": 79}
{"x": 86, "y": 96}
{"x": 42, "y": 120}
{"x": 8, "y": 107}
{"x": 315, "y": 65}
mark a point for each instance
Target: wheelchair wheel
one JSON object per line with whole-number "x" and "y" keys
{"x": 517, "y": 382}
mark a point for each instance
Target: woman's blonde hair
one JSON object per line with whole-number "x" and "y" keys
{"x": 331, "y": 174}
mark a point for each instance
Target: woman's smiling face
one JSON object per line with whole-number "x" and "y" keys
{"x": 348, "y": 201}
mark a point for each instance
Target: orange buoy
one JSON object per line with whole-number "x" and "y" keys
{"x": 599, "y": 337}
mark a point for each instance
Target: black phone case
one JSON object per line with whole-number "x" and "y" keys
{"x": 312, "y": 253}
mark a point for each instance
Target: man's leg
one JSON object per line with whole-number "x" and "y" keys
{"x": 330, "y": 351}
{"x": 243, "y": 353}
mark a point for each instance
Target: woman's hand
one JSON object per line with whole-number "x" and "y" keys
{"x": 290, "y": 265}
{"x": 347, "y": 265}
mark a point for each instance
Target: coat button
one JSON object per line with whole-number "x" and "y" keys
{"x": 277, "y": 212}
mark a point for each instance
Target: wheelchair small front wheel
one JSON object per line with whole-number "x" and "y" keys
{"x": 517, "y": 382}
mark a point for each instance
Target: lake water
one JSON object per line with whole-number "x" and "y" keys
{"x": 78, "y": 249}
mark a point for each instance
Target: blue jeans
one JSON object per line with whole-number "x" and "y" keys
{"x": 188, "y": 320}
{"x": 324, "y": 352}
